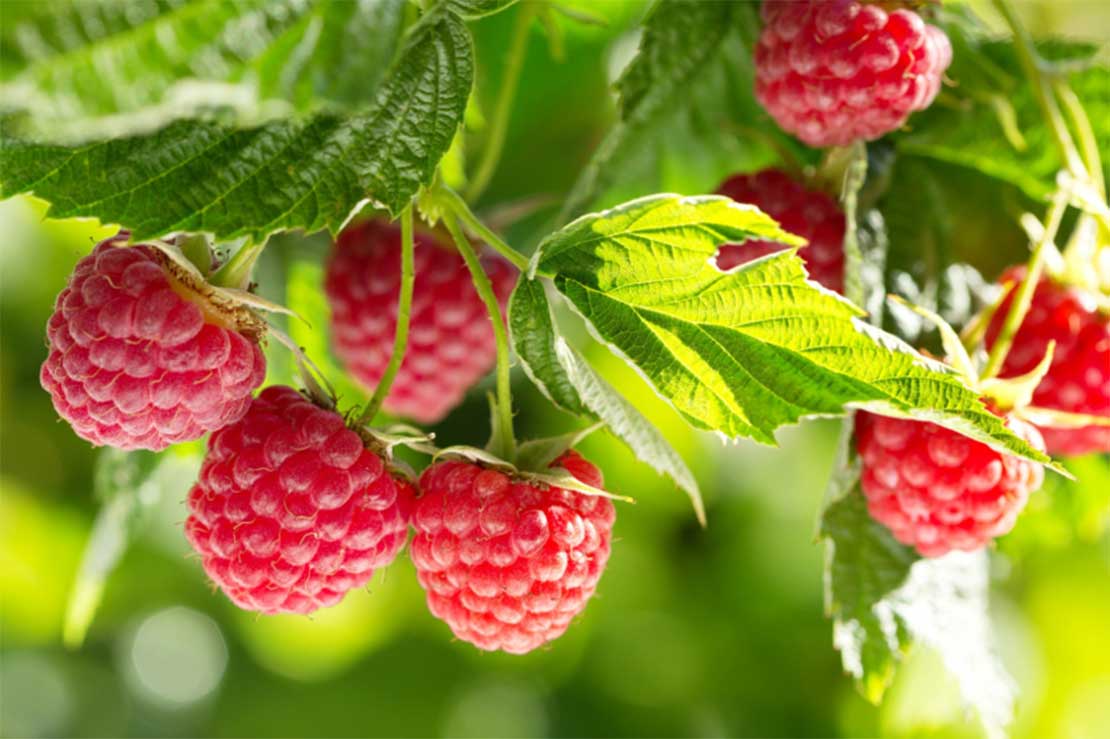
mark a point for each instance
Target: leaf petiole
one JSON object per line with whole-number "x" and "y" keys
{"x": 461, "y": 210}
{"x": 503, "y": 434}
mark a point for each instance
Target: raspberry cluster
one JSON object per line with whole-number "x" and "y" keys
{"x": 1078, "y": 381}
{"x": 508, "y": 563}
{"x": 451, "y": 344}
{"x": 811, "y": 214}
{"x": 836, "y": 71}
{"x": 140, "y": 358}
{"x": 937, "y": 490}
{"x": 291, "y": 510}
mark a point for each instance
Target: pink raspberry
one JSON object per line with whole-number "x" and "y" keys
{"x": 835, "y": 71}
{"x": 1078, "y": 381}
{"x": 451, "y": 344}
{"x": 508, "y": 563}
{"x": 292, "y": 510}
{"x": 811, "y": 214}
{"x": 141, "y": 357}
{"x": 937, "y": 490}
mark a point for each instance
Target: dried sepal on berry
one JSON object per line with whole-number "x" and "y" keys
{"x": 143, "y": 353}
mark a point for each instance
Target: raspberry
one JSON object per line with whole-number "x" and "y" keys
{"x": 141, "y": 357}
{"x": 451, "y": 344}
{"x": 813, "y": 215}
{"x": 1078, "y": 381}
{"x": 508, "y": 563}
{"x": 291, "y": 509}
{"x": 937, "y": 490}
{"x": 835, "y": 71}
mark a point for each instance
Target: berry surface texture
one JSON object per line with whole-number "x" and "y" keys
{"x": 506, "y": 563}
{"x": 140, "y": 360}
{"x": 291, "y": 510}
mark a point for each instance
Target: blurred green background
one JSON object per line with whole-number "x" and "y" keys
{"x": 693, "y": 633}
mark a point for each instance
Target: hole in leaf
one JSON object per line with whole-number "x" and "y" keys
{"x": 729, "y": 256}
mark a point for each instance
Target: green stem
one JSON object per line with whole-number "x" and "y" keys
{"x": 1033, "y": 68}
{"x": 461, "y": 210}
{"x": 1088, "y": 143}
{"x": 404, "y": 310}
{"x": 237, "y": 271}
{"x": 499, "y": 125}
{"x": 853, "y": 173}
{"x": 485, "y": 291}
{"x": 1023, "y": 298}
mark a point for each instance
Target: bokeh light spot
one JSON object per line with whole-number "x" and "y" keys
{"x": 175, "y": 657}
{"x": 34, "y": 697}
{"x": 497, "y": 709}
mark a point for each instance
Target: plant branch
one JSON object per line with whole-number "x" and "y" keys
{"x": 459, "y": 207}
{"x": 1088, "y": 143}
{"x": 482, "y": 283}
{"x": 499, "y": 125}
{"x": 1033, "y": 68}
{"x": 1023, "y": 298}
{"x": 852, "y": 171}
{"x": 404, "y": 309}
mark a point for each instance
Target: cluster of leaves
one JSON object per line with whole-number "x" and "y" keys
{"x": 245, "y": 119}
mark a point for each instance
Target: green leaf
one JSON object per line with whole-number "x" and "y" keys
{"x": 688, "y": 117}
{"x": 533, "y": 333}
{"x": 628, "y": 424}
{"x": 864, "y": 565}
{"x": 746, "y": 351}
{"x": 966, "y": 127}
{"x": 123, "y": 484}
{"x": 536, "y": 455}
{"x": 571, "y": 383}
{"x": 307, "y": 173}
{"x": 83, "y": 68}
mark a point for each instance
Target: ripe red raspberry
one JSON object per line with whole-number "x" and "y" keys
{"x": 509, "y": 563}
{"x": 292, "y": 510}
{"x": 1078, "y": 381}
{"x": 835, "y": 71}
{"x": 937, "y": 490}
{"x": 811, "y": 214}
{"x": 451, "y": 344}
{"x": 141, "y": 357}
